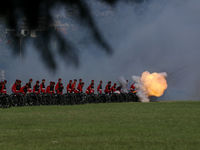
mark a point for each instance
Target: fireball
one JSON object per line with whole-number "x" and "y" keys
{"x": 155, "y": 83}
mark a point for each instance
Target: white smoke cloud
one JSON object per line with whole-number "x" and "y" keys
{"x": 141, "y": 93}
{"x": 164, "y": 38}
{"x": 123, "y": 83}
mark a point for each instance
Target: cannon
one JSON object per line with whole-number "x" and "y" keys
{"x": 18, "y": 99}
{"x": 69, "y": 99}
{"x": 91, "y": 98}
{"x": 45, "y": 98}
{"x": 5, "y": 101}
{"x": 32, "y": 99}
{"x": 80, "y": 98}
{"x": 57, "y": 99}
{"x": 103, "y": 98}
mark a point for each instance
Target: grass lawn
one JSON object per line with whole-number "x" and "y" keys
{"x": 155, "y": 125}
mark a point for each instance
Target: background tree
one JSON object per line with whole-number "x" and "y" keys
{"x": 13, "y": 10}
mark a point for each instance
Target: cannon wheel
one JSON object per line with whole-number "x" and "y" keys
{"x": 103, "y": 98}
{"x": 4, "y": 103}
{"x": 2, "y": 100}
{"x": 133, "y": 97}
{"x": 80, "y": 98}
{"x": 58, "y": 99}
{"x": 17, "y": 99}
{"x": 125, "y": 97}
{"x": 91, "y": 98}
{"x": 8, "y": 100}
{"x": 32, "y": 99}
{"x": 39, "y": 99}
{"x": 114, "y": 98}
{"x": 69, "y": 99}
{"x": 83, "y": 98}
{"x": 46, "y": 99}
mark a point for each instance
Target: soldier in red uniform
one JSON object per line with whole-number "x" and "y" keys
{"x": 17, "y": 88}
{"x": 90, "y": 89}
{"x": 29, "y": 86}
{"x": 113, "y": 88}
{"x": 36, "y": 88}
{"x": 58, "y": 84}
{"x": 132, "y": 88}
{"x": 42, "y": 86}
{"x": 79, "y": 85}
{"x": 69, "y": 87}
{"x": 50, "y": 88}
{"x": 25, "y": 88}
{"x": 14, "y": 85}
{"x": 119, "y": 88}
{"x": 74, "y": 85}
{"x": 4, "y": 87}
{"x": 107, "y": 88}
{"x": 99, "y": 88}
{"x": 60, "y": 89}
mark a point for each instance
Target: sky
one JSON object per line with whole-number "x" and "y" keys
{"x": 163, "y": 38}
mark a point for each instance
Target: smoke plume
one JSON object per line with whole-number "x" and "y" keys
{"x": 150, "y": 85}
{"x": 122, "y": 82}
{"x": 158, "y": 36}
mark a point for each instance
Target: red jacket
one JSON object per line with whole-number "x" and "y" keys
{"x": 132, "y": 88}
{"x": 3, "y": 90}
{"x": 23, "y": 90}
{"x": 76, "y": 91}
{"x": 79, "y": 88}
{"x": 13, "y": 87}
{"x": 99, "y": 88}
{"x": 36, "y": 89}
{"x": 92, "y": 90}
{"x": 18, "y": 89}
{"x": 49, "y": 90}
{"x": 57, "y": 86}
{"x": 113, "y": 89}
{"x": 69, "y": 88}
{"x": 107, "y": 90}
{"x": 42, "y": 88}
{"x": 60, "y": 90}
{"x": 74, "y": 87}
{"x": 89, "y": 89}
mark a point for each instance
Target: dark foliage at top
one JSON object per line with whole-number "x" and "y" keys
{"x": 13, "y": 10}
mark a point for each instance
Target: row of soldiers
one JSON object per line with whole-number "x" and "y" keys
{"x": 58, "y": 88}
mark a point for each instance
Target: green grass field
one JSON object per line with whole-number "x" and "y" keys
{"x": 155, "y": 125}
